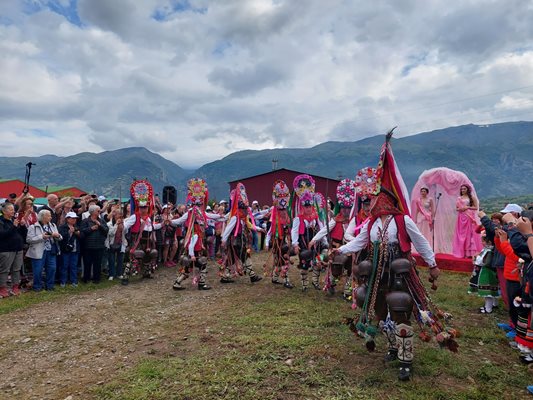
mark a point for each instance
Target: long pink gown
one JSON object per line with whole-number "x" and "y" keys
{"x": 423, "y": 218}
{"x": 466, "y": 242}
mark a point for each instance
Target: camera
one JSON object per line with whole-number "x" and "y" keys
{"x": 69, "y": 247}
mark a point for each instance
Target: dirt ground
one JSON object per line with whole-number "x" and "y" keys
{"x": 59, "y": 349}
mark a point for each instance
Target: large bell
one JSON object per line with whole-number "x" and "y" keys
{"x": 400, "y": 301}
{"x": 401, "y": 266}
{"x": 306, "y": 255}
{"x": 364, "y": 269}
{"x": 360, "y": 295}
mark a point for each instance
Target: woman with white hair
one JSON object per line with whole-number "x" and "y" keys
{"x": 43, "y": 238}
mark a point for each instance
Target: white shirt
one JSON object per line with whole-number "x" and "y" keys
{"x": 296, "y": 228}
{"x": 349, "y": 233}
{"x": 419, "y": 241}
{"x": 130, "y": 221}
{"x": 322, "y": 233}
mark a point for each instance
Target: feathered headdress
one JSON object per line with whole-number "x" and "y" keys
{"x": 280, "y": 194}
{"x": 389, "y": 180}
{"x": 141, "y": 195}
{"x": 197, "y": 193}
{"x": 304, "y": 192}
{"x": 345, "y": 193}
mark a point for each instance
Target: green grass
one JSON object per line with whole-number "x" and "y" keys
{"x": 245, "y": 353}
{"x": 30, "y": 298}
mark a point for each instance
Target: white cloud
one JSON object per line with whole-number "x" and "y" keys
{"x": 196, "y": 80}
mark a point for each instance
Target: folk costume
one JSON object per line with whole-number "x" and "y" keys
{"x": 524, "y": 304}
{"x": 484, "y": 278}
{"x": 341, "y": 264}
{"x": 305, "y": 225}
{"x": 390, "y": 289}
{"x": 142, "y": 243}
{"x": 278, "y": 236}
{"x": 195, "y": 254}
{"x": 365, "y": 185}
{"x": 237, "y": 236}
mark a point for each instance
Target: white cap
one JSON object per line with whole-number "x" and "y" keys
{"x": 208, "y": 208}
{"x": 164, "y": 206}
{"x": 71, "y": 214}
{"x": 101, "y": 198}
{"x": 512, "y": 208}
{"x": 255, "y": 202}
{"x": 222, "y": 202}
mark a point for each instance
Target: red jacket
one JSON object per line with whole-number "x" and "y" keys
{"x": 510, "y": 270}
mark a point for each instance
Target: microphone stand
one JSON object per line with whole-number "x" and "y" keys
{"x": 433, "y": 222}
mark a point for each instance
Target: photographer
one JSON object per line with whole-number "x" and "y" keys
{"x": 12, "y": 236}
{"x": 70, "y": 249}
{"x": 94, "y": 231}
{"x": 43, "y": 238}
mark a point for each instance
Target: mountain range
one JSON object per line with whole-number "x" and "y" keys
{"x": 497, "y": 158}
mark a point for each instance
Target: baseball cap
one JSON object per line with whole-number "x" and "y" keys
{"x": 101, "y": 198}
{"x": 255, "y": 202}
{"x": 71, "y": 214}
{"x": 511, "y": 207}
{"x": 222, "y": 202}
{"x": 208, "y": 208}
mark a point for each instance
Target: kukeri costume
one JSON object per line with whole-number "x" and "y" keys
{"x": 142, "y": 244}
{"x": 390, "y": 289}
{"x": 341, "y": 264}
{"x": 304, "y": 226}
{"x": 278, "y": 236}
{"x": 194, "y": 258}
{"x": 238, "y": 239}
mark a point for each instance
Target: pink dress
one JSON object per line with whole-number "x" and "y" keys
{"x": 423, "y": 218}
{"x": 466, "y": 242}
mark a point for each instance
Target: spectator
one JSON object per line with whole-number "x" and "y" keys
{"x": 53, "y": 202}
{"x": 12, "y": 198}
{"x": 116, "y": 244}
{"x": 26, "y": 214}
{"x": 94, "y": 232}
{"x": 70, "y": 249}
{"x": 63, "y": 208}
{"x": 43, "y": 237}
{"x": 210, "y": 235}
{"x": 484, "y": 280}
{"x": 12, "y": 236}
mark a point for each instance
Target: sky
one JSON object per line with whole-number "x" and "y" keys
{"x": 195, "y": 80}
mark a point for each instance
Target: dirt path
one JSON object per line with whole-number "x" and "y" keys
{"x": 59, "y": 349}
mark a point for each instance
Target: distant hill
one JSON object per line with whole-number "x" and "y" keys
{"x": 497, "y": 158}
{"x": 109, "y": 172}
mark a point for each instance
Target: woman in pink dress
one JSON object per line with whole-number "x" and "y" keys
{"x": 423, "y": 214}
{"x": 466, "y": 242}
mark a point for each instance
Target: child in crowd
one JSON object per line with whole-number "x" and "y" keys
{"x": 484, "y": 279}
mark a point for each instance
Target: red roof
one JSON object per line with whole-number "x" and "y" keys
{"x": 8, "y": 186}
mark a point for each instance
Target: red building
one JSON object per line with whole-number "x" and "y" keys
{"x": 259, "y": 187}
{"x": 8, "y": 186}
{"x": 65, "y": 191}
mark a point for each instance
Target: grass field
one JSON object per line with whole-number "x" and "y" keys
{"x": 274, "y": 343}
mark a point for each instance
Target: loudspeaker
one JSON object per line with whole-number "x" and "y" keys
{"x": 169, "y": 195}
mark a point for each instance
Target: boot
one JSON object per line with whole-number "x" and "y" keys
{"x": 3, "y": 292}
{"x": 288, "y": 285}
{"x": 125, "y": 281}
{"x": 226, "y": 279}
{"x": 177, "y": 284}
{"x": 203, "y": 286}
{"x": 255, "y": 278}
{"x": 15, "y": 290}
{"x": 405, "y": 371}
{"x": 404, "y": 344}
{"x": 392, "y": 355}
{"x": 275, "y": 281}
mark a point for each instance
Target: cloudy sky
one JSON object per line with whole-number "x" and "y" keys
{"x": 197, "y": 80}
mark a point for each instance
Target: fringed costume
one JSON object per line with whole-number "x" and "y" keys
{"x": 389, "y": 288}
{"x": 237, "y": 237}
{"x": 142, "y": 243}
{"x": 278, "y": 236}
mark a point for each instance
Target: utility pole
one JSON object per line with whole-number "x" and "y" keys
{"x": 274, "y": 164}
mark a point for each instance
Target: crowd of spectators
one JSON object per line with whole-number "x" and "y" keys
{"x": 70, "y": 240}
